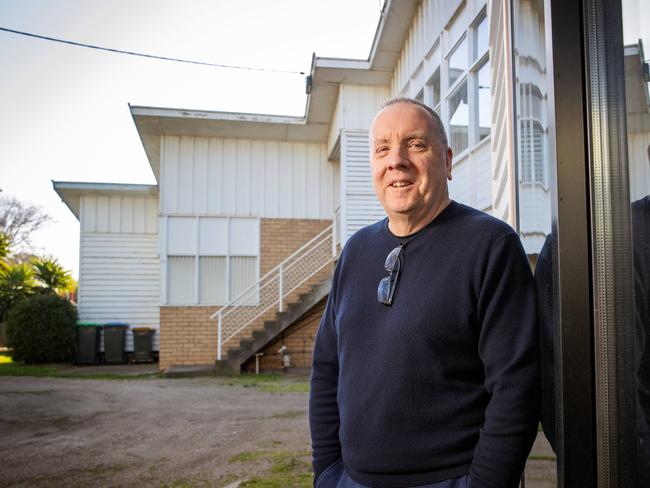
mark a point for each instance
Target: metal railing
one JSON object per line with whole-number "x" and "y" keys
{"x": 272, "y": 290}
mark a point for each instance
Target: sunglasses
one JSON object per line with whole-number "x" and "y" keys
{"x": 388, "y": 284}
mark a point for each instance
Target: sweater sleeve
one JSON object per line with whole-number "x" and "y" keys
{"x": 323, "y": 406}
{"x": 508, "y": 347}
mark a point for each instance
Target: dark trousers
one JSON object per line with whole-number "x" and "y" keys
{"x": 335, "y": 476}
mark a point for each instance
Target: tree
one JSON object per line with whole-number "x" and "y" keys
{"x": 4, "y": 251}
{"x": 41, "y": 329}
{"x": 51, "y": 275}
{"x": 18, "y": 220}
{"x": 16, "y": 283}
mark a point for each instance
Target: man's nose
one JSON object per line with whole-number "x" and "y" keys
{"x": 398, "y": 158}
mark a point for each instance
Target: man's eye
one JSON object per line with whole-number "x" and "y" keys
{"x": 417, "y": 145}
{"x": 381, "y": 149}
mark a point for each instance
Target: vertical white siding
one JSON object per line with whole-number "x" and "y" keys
{"x": 359, "y": 105}
{"x": 637, "y": 144}
{"x": 245, "y": 177}
{"x": 335, "y": 126}
{"x": 119, "y": 214}
{"x": 471, "y": 182}
{"x": 360, "y": 206}
{"x": 426, "y": 27}
{"x": 502, "y": 142}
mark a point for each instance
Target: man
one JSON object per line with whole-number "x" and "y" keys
{"x": 425, "y": 369}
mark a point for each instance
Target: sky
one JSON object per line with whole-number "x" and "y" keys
{"x": 64, "y": 112}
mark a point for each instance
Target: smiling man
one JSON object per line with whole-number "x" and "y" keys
{"x": 425, "y": 369}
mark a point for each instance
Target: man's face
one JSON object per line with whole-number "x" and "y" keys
{"x": 410, "y": 165}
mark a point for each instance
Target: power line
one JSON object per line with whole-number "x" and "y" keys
{"x": 151, "y": 56}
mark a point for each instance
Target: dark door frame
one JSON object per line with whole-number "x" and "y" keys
{"x": 591, "y": 224}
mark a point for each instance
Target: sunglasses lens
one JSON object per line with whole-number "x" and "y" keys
{"x": 383, "y": 291}
{"x": 392, "y": 259}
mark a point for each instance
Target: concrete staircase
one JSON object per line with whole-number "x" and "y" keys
{"x": 247, "y": 347}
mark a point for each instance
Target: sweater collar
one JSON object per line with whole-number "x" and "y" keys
{"x": 404, "y": 240}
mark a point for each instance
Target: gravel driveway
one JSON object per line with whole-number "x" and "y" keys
{"x": 176, "y": 433}
{"x": 156, "y": 432}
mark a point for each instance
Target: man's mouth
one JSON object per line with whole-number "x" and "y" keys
{"x": 400, "y": 184}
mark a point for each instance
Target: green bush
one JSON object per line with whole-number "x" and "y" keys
{"x": 41, "y": 329}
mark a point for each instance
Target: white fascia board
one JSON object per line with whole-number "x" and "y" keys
{"x": 71, "y": 192}
{"x": 103, "y": 187}
{"x": 341, "y": 63}
{"x": 214, "y": 115}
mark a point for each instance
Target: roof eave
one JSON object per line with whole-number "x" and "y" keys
{"x": 70, "y": 192}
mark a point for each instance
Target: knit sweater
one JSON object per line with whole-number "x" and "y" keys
{"x": 445, "y": 381}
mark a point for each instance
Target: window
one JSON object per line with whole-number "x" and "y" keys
{"x": 458, "y": 119}
{"x": 483, "y": 101}
{"x": 468, "y": 94}
{"x": 211, "y": 260}
{"x": 532, "y": 134}
{"x": 480, "y": 39}
{"x": 457, "y": 62}
{"x": 434, "y": 90}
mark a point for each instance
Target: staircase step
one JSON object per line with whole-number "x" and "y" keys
{"x": 273, "y": 328}
{"x": 259, "y": 335}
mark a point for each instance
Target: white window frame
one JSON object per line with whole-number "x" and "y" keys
{"x": 197, "y": 255}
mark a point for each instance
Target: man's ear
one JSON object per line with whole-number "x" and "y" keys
{"x": 448, "y": 159}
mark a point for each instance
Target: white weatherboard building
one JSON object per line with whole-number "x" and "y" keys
{"x": 230, "y": 254}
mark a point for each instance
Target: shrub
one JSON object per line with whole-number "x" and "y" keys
{"x": 41, "y": 329}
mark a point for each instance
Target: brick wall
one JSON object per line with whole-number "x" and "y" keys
{"x": 299, "y": 339}
{"x": 282, "y": 237}
{"x": 188, "y": 336}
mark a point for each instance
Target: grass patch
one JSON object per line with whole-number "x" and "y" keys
{"x": 268, "y": 382}
{"x": 9, "y": 368}
{"x": 289, "y": 469}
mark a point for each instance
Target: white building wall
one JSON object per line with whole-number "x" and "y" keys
{"x": 245, "y": 177}
{"x": 502, "y": 124}
{"x": 119, "y": 263}
{"x": 637, "y": 147}
{"x": 427, "y": 26}
{"x": 335, "y": 128}
{"x": 359, "y": 105}
{"x": 360, "y": 206}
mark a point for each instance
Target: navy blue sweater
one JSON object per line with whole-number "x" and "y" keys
{"x": 445, "y": 381}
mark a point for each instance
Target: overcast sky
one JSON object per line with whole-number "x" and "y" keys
{"x": 63, "y": 109}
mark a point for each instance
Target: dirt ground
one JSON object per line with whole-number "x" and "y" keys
{"x": 157, "y": 432}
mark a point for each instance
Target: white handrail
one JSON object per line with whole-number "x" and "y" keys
{"x": 293, "y": 272}
{"x": 254, "y": 285}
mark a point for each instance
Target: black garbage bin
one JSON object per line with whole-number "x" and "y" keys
{"x": 88, "y": 336}
{"x": 114, "y": 342}
{"x": 142, "y": 344}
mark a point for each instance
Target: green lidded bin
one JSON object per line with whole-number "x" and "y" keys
{"x": 114, "y": 342}
{"x": 142, "y": 344}
{"x": 88, "y": 337}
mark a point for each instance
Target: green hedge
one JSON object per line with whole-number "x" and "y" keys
{"x": 41, "y": 329}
